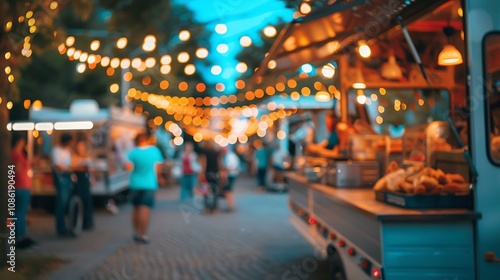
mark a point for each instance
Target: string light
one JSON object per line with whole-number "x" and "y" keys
{"x": 53, "y": 5}
{"x": 216, "y": 70}
{"x": 221, "y": 28}
{"x": 189, "y": 69}
{"x": 121, "y": 43}
{"x": 149, "y": 43}
{"x": 202, "y": 53}
{"x": 245, "y": 41}
{"x": 125, "y": 63}
{"x": 270, "y": 31}
{"x": 80, "y": 68}
{"x": 150, "y": 62}
{"x": 241, "y": 67}
{"x": 105, "y": 61}
{"x": 165, "y": 69}
{"x": 70, "y": 41}
{"x": 114, "y": 88}
{"x": 95, "y": 45}
{"x": 166, "y": 59}
{"x": 222, "y": 48}
{"x": 183, "y": 57}
{"x": 184, "y": 35}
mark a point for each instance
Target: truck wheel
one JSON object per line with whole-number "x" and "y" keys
{"x": 74, "y": 217}
{"x": 337, "y": 269}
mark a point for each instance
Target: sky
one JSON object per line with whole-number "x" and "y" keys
{"x": 242, "y": 18}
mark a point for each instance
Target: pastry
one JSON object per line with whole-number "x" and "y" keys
{"x": 437, "y": 190}
{"x": 455, "y": 178}
{"x": 420, "y": 189}
{"x": 457, "y": 187}
{"x": 414, "y": 169}
{"x": 393, "y": 166}
{"x": 394, "y": 179}
{"x": 381, "y": 184}
{"x": 428, "y": 182}
{"x": 406, "y": 187}
{"x": 440, "y": 176}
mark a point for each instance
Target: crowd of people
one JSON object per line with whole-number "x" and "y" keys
{"x": 208, "y": 171}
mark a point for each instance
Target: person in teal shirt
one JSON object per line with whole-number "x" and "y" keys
{"x": 143, "y": 162}
{"x": 262, "y": 160}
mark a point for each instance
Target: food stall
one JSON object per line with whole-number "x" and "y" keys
{"x": 421, "y": 213}
{"x": 108, "y": 133}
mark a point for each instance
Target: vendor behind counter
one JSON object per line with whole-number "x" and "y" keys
{"x": 336, "y": 144}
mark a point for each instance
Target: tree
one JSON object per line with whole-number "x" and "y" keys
{"x": 22, "y": 23}
{"x": 31, "y": 32}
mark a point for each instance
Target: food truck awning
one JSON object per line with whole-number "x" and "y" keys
{"x": 113, "y": 114}
{"x": 54, "y": 114}
{"x": 304, "y": 103}
{"x": 320, "y": 35}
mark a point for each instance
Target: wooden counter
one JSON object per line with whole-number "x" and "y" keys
{"x": 363, "y": 200}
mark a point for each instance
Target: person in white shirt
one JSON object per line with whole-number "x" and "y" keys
{"x": 61, "y": 167}
{"x": 231, "y": 164}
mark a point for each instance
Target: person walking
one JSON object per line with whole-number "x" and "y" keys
{"x": 262, "y": 161}
{"x": 82, "y": 162}
{"x": 231, "y": 163}
{"x": 190, "y": 169}
{"x": 23, "y": 184}
{"x": 143, "y": 164}
{"x": 61, "y": 168}
{"x": 211, "y": 172}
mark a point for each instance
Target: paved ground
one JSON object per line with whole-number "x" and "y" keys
{"x": 255, "y": 242}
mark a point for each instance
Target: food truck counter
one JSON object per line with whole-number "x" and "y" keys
{"x": 363, "y": 201}
{"x": 377, "y": 240}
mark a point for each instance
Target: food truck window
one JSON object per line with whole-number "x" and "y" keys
{"x": 390, "y": 111}
{"x": 491, "y": 45}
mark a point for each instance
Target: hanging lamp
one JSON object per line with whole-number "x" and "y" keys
{"x": 390, "y": 69}
{"x": 450, "y": 55}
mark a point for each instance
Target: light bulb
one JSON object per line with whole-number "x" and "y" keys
{"x": 270, "y": 31}
{"x": 328, "y": 70}
{"x": 364, "y": 50}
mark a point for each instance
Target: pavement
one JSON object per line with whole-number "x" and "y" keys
{"x": 254, "y": 242}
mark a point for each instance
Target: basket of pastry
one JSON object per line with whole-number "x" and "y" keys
{"x": 422, "y": 187}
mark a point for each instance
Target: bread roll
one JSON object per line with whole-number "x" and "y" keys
{"x": 428, "y": 171}
{"x": 457, "y": 188}
{"x": 420, "y": 189}
{"x": 392, "y": 167}
{"x": 394, "y": 179}
{"x": 406, "y": 187}
{"x": 440, "y": 176}
{"x": 455, "y": 178}
{"x": 437, "y": 190}
{"x": 414, "y": 169}
{"x": 381, "y": 184}
{"x": 428, "y": 182}
{"x": 411, "y": 179}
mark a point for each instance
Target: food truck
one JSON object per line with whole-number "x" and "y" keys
{"x": 414, "y": 193}
{"x": 108, "y": 134}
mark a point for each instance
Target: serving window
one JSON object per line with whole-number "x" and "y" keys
{"x": 391, "y": 111}
{"x": 492, "y": 71}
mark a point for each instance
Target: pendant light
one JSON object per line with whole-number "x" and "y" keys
{"x": 450, "y": 55}
{"x": 390, "y": 69}
{"x": 322, "y": 96}
{"x": 359, "y": 83}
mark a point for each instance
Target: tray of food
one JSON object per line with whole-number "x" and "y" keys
{"x": 421, "y": 187}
